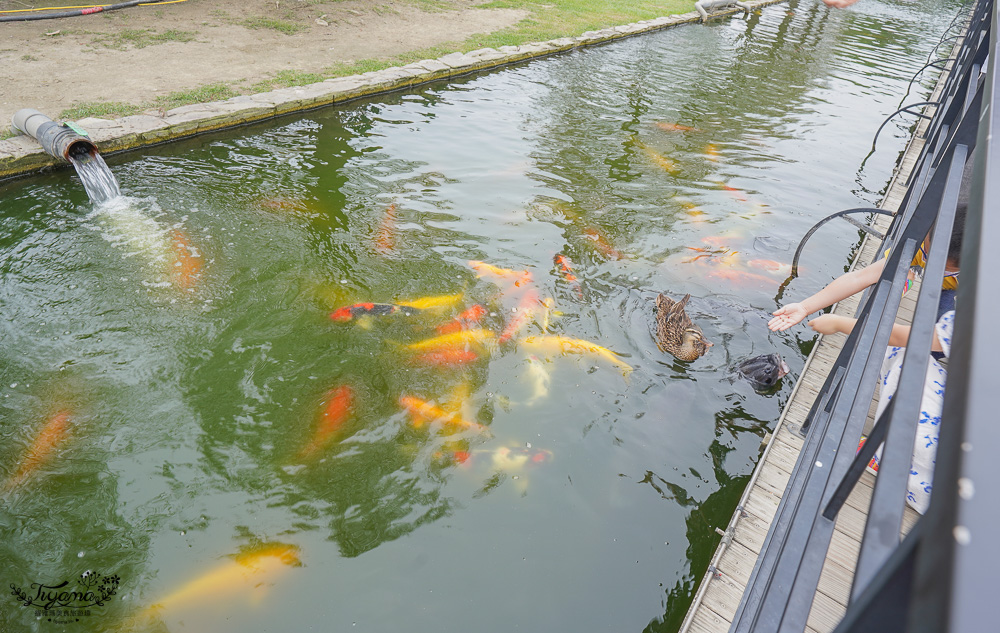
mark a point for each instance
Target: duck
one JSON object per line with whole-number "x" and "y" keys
{"x": 675, "y": 333}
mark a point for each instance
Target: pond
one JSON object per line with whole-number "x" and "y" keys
{"x": 194, "y": 417}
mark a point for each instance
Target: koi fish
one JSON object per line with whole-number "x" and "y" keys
{"x": 477, "y": 336}
{"x": 719, "y": 242}
{"x": 738, "y": 194}
{"x": 602, "y": 244}
{"x": 348, "y": 313}
{"x": 463, "y": 321}
{"x": 664, "y": 163}
{"x": 524, "y": 315}
{"x": 566, "y": 268}
{"x": 285, "y": 205}
{"x": 712, "y": 153}
{"x": 52, "y": 435}
{"x": 674, "y": 127}
{"x": 447, "y": 356}
{"x": 339, "y": 403}
{"x": 769, "y": 264}
{"x": 540, "y": 379}
{"x": 385, "y": 237}
{"x": 517, "y": 277}
{"x": 245, "y": 573}
{"x": 187, "y": 264}
{"x": 438, "y": 302}
{"x": 424, "y": 411}
{"x": 693, "y": 210}
{"x": 575, "y": 345}
{"x": 739, "y": 276}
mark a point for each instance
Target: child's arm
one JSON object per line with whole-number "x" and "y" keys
{"x": 837, "y": 290}
{"x": 833, "y": 323}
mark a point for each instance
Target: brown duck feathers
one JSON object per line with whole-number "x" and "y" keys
{"x": 675, "y": 333}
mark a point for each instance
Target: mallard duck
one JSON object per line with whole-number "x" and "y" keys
{"x": 675, "y": 333}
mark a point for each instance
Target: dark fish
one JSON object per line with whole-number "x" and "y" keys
{"x": 763, "y": 372}
{"x": 349, "y": 313}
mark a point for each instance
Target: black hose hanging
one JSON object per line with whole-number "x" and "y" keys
{"x": 77, "y": 12}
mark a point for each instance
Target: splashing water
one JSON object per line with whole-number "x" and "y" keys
{"x": 97, "y": 178}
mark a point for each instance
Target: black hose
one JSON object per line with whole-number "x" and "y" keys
{"x": 76, "y": 12}
{"x": 809, "y": 233}
{"x": 905, "y": 109}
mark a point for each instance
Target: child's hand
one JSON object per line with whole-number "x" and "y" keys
{"x": 786, "y": 317}
{"x": 832, "y": 324}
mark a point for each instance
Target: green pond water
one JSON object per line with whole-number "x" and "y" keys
{"x": 207, "y": 439}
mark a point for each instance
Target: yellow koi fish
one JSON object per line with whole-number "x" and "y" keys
{"x": 477, "y": 336}
{"x": 429, "y": 303}
{"x": 243, "y": 574}
{"x": 518, "y": 277}
{"x": 664, "y": 163}
{"x": 566, "y": 344}
{"x": 423, "y": 411}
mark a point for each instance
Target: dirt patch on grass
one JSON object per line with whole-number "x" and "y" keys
{"x": 136, "y": 55}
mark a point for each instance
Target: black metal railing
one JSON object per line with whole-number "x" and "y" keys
{"x": 936, "y": 579}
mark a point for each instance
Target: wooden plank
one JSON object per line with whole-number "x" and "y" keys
{"x": 751, "y": 531}
{"x": 738, "y": 561}
{"x": 844, "y": 549}
{"x": 835, "y": 581}
{"x": 707, "y": 621}
{"x": 772, "y": 479}
{"x": 782, "y": 455}
{"x": 826, "y": 613}
{"x": 723, "y": 595}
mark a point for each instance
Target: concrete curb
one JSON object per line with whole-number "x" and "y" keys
{"x": 22, "y": 155}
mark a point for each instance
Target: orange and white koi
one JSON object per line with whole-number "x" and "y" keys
{"x": 349, "y": 313}
{"x": 187, "y": 264}
{"x": 566, "y": 268}
{"x": 339, "y": 404}
{"x": 423, "y": 412}
{"x": 49, "y": 438}
{"x": 385, "y": 236}
{"x": 246, "y": 573}
{"x": 566, "y": 344}
{"x": 476, "y": 336}
{"x": 463, "y": 321}
{"x": 524, "y": 314}
{"x": 674, "y": 127}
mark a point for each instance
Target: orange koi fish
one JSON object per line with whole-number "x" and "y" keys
{"x": 674, "y": 127}
{"x": 525, "y": 315}
{"x": 246, "y": 573}
{"x": 738, "y": 194}
{"x": 712, "y": 153}
{"x": 664, "y": 163}
{"x": 566, "y": 268}
{"x": 52, "y": 435}
{"x": 739, "y": 276}
{"x": 339, "y": 403}
{"x": 477, "y": 336}
{"x": 423, "y": 411}
{"x": 385, "y": 237}
{"x": 187, "y": 267}
{"x": 463, "y": 321}
{"x": 769, "y": 264}
{"x": 719, "y": 242}
{"x": 446, "y": 357}
{"x": 517, "y": 277}
{"x": 349, "y": 313}
{"x": 602, "y": 244}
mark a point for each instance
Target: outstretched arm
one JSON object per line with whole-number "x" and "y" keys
{"x": 840, "y": 4}
{"x": 837, "y": 290}
{"x": 833, "y": 323}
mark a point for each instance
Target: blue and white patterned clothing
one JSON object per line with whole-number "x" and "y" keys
{"x": 918, "y": 488}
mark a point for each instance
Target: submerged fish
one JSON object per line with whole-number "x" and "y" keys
{"x": 349, "y": 313}
{"x": 524, "y": 314}
{"x": 446, "y": 357}
{"x": 566, "y": 344}
{"x": 461, "y": 338}
{"x": 539, "y": 378}
{"x": 385, "y": 237}
{"x": 338, "y": 406}
{"x": 602, "y": 244}
{"x": 187, "y": 261}
{"x": 463, "y": 321}
{"x": 674, "y": 127}
{"x": 518, "y": 277}
{"x": 52, "y": 434}
{"x": 423, "y": 411}
{"x": 437, "y": 302}
{"x": 763, "y": 372}
{"x": 566, "y": 268}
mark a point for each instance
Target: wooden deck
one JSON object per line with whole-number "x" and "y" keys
{"x": 722, "y": 587}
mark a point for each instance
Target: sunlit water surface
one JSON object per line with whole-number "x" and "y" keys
{"x": 170, "y": 355}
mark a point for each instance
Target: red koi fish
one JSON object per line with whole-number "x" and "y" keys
{"x": 738, "y": 194}
{"x": 51, "y": 436}
{"x": 348, "y": 313}
{"x": 446, "y": 357}
{"x": 187, "y": 264}
{"x": 463, "y": 321}
{"x": 385, "y": 237}
{"x": 566, "y": 268}
{"x": 674, "y": 127}
{"x": 339, "y": 403}
{"x": 602, "y": 244}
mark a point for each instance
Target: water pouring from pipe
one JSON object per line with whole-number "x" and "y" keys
{"x": 70, "y": 143}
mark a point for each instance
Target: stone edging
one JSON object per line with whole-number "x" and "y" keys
{"x": 21, "y": 155}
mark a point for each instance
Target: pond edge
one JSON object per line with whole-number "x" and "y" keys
{"x": 22, "y": 155}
